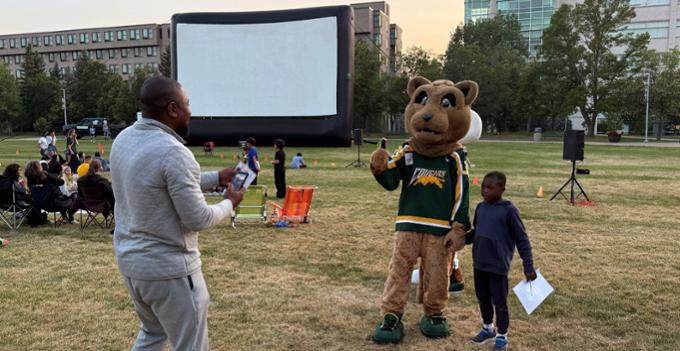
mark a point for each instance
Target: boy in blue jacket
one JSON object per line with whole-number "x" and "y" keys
{"x": 498, "y": 228}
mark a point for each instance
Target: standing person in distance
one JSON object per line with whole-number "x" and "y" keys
{"x": 71, "y": 143}
{"x": 279, "y": 163}
{"x": 251, "y": 158}
{"x": 158, "y": 216}
{"x": 498, "y": 228}
{"x": 105, "y": 130}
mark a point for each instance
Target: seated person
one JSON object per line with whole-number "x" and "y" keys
{"x": 70, "y": 184}
{"x": 93, "y": 178}
{"x": 298, "y": 161}
{"x": 35, "y": 175}
{"x": 84, "y": 167}
{"x": 13, "y": 172}
{"x": 55, "y": 163}
{"x": 105, "y": 163}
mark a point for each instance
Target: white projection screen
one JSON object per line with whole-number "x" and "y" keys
{"x": 273, "y": 74}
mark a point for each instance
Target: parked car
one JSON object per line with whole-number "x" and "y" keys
{"x": 83, "y": 127}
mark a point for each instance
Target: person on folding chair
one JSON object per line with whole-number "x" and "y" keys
{"x": 36, "y": 176}
{"x": 158, "y": 216}
{"x": 92, "y": 178}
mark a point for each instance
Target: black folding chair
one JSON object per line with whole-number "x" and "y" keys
{"x": 94, "y": 201}
{"x": 42, "y": 195}
{"x": 14, "y": 205}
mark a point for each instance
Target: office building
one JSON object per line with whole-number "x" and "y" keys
{"x": 122, "y": 49}
{"x": 372, "y": 24}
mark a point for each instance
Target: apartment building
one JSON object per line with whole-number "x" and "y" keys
{"x": 372, "y": 24}
{"x": 122, "y": 49}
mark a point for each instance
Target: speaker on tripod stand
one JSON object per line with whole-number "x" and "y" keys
{"x": 573, "y": 150}
{"x": 358, "y": 138}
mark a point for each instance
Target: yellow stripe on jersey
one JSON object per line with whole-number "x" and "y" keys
{"x": 458, "y": 198}
{"x": 398, "y": 155}
{"x": 424, "y": 221}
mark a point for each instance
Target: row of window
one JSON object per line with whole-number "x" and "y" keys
{"x": 65, "y": 56}
{"x": 656, "y": 29}
{"x": 125, "y": 69}
{"x": 82, "y": 38}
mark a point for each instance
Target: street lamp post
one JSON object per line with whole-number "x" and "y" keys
{"x": 63, "y": 101}
{"x": 647, "y": 107}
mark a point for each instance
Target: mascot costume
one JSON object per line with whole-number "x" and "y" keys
{"x": 433, "y": 206}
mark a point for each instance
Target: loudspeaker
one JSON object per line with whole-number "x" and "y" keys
{"x": 574, "y": 143}
{"x": 356, "y": 135}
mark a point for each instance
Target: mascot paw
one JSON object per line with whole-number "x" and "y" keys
{"x": 379, "y": 160}
{"x": 455, "y": 239}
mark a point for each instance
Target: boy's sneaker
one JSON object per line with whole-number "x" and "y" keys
{"x": 456, "y": 288}
{"x": 391, "y": 330}
{"x": 501, "y": 344}
{"x": 484, "y": 336}
{"x": 434, "y": 326}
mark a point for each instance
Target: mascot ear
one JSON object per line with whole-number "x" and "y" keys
{"x": 414, "y": 83}
{"x": 469, "y": 89}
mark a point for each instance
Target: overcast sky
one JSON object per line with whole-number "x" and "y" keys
{"x": 426, "y": 23}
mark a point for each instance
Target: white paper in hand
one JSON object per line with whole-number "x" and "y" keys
{"x": 242, "y": 167}
{"x": 532, "y": 294}
{"x": 415, "y": 276}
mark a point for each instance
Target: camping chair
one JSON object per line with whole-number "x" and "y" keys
{"x": 14, "y": 205}
{"x": 253, "y": 206}
{"x": 295, "y": 207}
{"x": 93, "y": 201}
{"x": 42, "y": 200}
{"x": 208, "y": 148}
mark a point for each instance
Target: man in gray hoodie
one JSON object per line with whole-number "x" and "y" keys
{"x": 159, "y": 210}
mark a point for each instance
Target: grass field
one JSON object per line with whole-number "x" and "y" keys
{"x": 615, "y": 267}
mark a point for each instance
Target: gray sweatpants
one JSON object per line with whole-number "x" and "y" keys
{"x": 175, "y": 309}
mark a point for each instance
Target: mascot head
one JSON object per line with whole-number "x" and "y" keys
{"x": 439, "y": 117}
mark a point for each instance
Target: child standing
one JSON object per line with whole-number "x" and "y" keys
{"x": 498, "y": 228}
{"x": 279, "y": 163}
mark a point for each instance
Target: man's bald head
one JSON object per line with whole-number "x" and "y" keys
{"x": 156, "y": 93}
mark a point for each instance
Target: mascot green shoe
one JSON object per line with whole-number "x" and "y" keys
{"x": 390, "y": 331}
{"x": 434, "y": 326}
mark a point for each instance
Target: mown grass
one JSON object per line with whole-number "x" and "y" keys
{"x": 615, "y": 267}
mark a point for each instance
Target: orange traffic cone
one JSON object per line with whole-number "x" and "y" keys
{"x": 266, "y": 159}
{"x": 475, "y": 180}
{"x": 18, "y": 152}
{"x": 222, "y": 156}
{"x": 539, "y": 194}
{"x": 234, "y": 157}
{"x": 316, "y": 162}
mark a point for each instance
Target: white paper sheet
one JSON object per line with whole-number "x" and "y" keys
{"x": 242, "y": 167}
{"x": 532, "y": 294}
{"x": 415, "y": 276}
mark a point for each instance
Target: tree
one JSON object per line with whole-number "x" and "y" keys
{"x": 33, "y": 64}
{"x": 493, "y": 53}
{"x": 579, "y": 51}
{"x": 166, "y": 62}
{"x": 10, "y": 100}
{"x": 367, "y": 89}
{"x": 85, "y": 87}
{"x": 39, "y": 93}
{"x": 417, "y": 61}
{"x": 395, "y": 100}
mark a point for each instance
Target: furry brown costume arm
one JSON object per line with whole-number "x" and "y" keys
{"x": 379, "y": 160}
{"x": 455, "y": 239}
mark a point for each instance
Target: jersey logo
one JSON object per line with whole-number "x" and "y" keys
{"x": 426, "y": 177}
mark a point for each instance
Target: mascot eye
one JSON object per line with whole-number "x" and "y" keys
{"x": 448, "y": 101}
{"x": 421, "y": 98}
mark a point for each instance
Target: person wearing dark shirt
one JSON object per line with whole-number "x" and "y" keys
{"x": 279, "y": 168}
{"x": 35, "y": 175}
{"x": 498, "y": 229}
{"x": 93, "y": 178}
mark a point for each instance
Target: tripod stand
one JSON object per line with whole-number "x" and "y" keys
{"x": 357, "y": 162}
{"x": 572, "y": 180}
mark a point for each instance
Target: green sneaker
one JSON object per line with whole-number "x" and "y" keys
{"x": 456, "y": 288}
{"x": 434, "y": 326}
{"x": 390, "y": 331}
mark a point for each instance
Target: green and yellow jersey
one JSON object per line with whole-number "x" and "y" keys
{"x": 434, "y": 190}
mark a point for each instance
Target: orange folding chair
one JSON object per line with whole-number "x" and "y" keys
{"x": 295, "y": 207}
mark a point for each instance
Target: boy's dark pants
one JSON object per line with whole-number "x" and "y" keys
{"x": 492, "y": 291}
{"x": 280, "y": 182}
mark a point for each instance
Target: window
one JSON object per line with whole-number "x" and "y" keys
{"x": 108, "y": 36}
{"x": 50, "y": 56}
{"x": 63, "y": 56}
{"x": 47, "y": 40}
{"x": 71, "y": 39}
{"x": 96, "y": 38}
{"x": 84, "y": 38}
{"x": 75, "y": 55}
{"x": 24, "y": 42}
{"x": 139, "y": 66}
{"x": 113, "y": 68}
{"x": 35, "y": 41}
{"x": 151, "y": 51}
{"x": 377, "y": 20}
{"x": 90, "y": 54}
{"x": 2, "y": 43}
{"x": 19, "y": 73}
{"x": 124, "y": 52}
{"x": 125, "y": 68}
{"x": 656, "y": 30}
{"x": 377, "y": 39}
{"x": 648, "y": 2}
{"x": 147, "y": 33}
{"x": 134, "y": 34}
{"x": 112, "y": 53}
{"x": 99, "y": 54}
{"x": 137, "y": 52}
{"x": 18, "y": 59}
{"x": 121, "y": 35}
{"x": 59, "y": 39}
{"x": 7, "y": 59}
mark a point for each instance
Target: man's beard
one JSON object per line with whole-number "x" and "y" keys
{"x": 182, "y": 131}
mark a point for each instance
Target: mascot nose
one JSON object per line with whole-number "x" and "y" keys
{"x": 427, "y": 118}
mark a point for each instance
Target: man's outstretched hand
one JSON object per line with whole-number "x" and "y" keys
{"x": 226, "y": 174}
{"x": 234, "y": 196}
